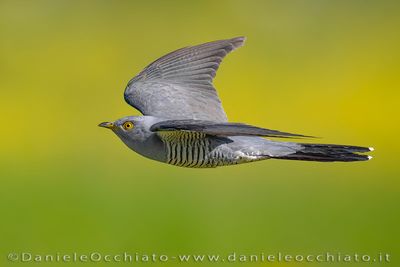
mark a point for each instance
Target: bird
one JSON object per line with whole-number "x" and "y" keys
{"x": 184, "y": 123}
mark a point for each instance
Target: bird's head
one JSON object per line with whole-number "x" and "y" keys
{"x": 131, "y": 128}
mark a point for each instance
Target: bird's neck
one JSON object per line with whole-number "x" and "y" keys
{"x": 152, "y": 147}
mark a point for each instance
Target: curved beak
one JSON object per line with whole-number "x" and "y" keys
{"x": 108, "y": 125}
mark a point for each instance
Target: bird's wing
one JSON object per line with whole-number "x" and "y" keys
{"x": 218, "y": 129}
{"x": 179, "y": 84}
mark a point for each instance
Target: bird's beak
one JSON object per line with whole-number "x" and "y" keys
{"x": 108, "y": 125}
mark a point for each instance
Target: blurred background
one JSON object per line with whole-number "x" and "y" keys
{"x": 322, "y": 68}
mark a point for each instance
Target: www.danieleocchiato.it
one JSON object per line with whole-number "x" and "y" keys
{"x": 126, "y": 257}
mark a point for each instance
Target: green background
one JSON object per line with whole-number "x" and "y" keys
{"x": 323, "y": 68}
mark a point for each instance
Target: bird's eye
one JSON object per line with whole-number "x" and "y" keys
{"x": 128, "y": 125}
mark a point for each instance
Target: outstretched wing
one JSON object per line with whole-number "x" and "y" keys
{"x": 179, "y": 84}
{"x": 219, "y": 129}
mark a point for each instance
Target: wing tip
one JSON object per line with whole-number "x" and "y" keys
{"x": 238, "y": 41}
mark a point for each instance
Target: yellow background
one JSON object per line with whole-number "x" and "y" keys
{"x": 322, "y": 68}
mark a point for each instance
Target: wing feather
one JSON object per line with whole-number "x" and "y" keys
{"x": 219, "y": 129}
{"x": 179, "y": 84}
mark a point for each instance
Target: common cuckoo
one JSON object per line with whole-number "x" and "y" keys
{"x": 184, "y": 123}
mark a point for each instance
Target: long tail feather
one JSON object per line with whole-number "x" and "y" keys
{"x": 327, "y": 153}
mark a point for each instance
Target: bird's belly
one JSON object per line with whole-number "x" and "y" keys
{"x": 201, "y": 154}
{"x": 189, "y": 153}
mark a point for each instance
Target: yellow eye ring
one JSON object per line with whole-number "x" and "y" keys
{"x": 127, "y": 125}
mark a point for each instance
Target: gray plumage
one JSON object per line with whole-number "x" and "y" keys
{"x": 179, "y": 84}
{"x": 185, "y": 124}
{"x": 219, "y": 129}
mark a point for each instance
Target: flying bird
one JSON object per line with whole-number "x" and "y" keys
{"x": 185, "y": 125}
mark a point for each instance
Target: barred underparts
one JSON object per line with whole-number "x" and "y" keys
{"x": 197, "y": 150}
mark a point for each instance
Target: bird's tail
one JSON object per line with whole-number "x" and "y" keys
{"x": 326, "y": 153}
